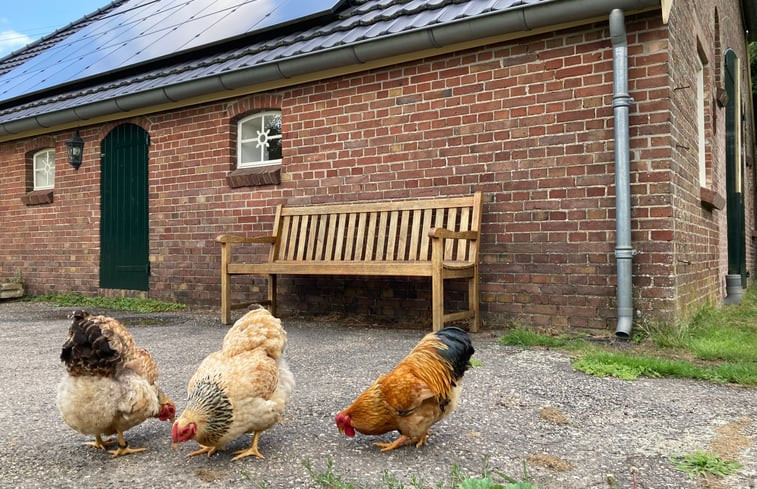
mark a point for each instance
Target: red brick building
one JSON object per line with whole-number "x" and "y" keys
{"x": 376, "y": 100}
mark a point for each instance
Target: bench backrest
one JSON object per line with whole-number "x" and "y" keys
{"x": 376, "y": 231}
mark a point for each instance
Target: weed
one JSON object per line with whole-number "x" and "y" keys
{"x": 331, "y": 480}
{"x": 475, "y": 362}
{"x": 114, "y": 303}
{"x": 700, "y": 463}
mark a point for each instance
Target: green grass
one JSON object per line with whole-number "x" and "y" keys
{"x": 701, "y": 463}
{"x": 331, "y": 479}
{"x": 114, "y": 303}
{"x": 716, "y": 345}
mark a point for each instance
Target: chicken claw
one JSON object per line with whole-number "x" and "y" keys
{"x": 123, "y": 448}
{"x": 100, "y": 443}
{"x": 401, "y": 441}
{"x": 253, "y": 450}
{"x": 203, "y": 449}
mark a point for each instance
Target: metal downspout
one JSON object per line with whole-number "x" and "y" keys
{"x": 621, "y": 100}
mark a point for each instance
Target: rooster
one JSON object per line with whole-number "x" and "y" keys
{"x": 243, "y": 388}
{"x": 422, "y": 389}
{"x": 110, "y": 384}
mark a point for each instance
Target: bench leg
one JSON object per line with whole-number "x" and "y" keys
{"x": 272, "y": 293}
{"x": 225, "y": 286}
{"x": 437, "y": 301}
{"x": 473, "y": 301}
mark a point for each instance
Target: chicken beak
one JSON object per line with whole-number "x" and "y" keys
{"x": 174, "y": 445}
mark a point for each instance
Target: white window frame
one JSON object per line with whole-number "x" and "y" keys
{"x": 700, "y": 122}
{"x": 43, "y": 164}
{"x": 259, "y": 143}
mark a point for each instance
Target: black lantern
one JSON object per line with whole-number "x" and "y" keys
{"x": 75, "y": 148}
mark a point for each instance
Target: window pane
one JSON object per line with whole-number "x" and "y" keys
{"x": 250, "y": 128}
{"x": 274, "y": 149}
{"x": 250, "y": 153}
{"x": 44, "y": 169}
{"x": 273, "y": 124}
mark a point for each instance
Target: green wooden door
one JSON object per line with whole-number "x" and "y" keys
{"x": 124, "y": 241}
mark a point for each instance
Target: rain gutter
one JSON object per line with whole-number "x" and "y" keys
{"x": 436, "y": 36}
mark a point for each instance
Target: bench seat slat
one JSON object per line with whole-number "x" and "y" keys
{"x": 381, "y": 268}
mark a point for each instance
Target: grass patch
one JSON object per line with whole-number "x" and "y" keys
{"x": 115, "y": 303}
{"x": 700, "y": 464}
{"x": 716, "y": 345}
{"x": 331, "y": 479}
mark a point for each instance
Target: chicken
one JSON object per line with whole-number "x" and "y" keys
{"x": 243, "y": 388}
{"x": 421, "y": 390}
{"x": 110, "y": 384}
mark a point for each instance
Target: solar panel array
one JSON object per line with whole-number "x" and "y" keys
{"x": 139, "y": 31}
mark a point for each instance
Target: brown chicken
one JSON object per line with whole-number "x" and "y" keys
{"x": 421, "y": 390}
{"x": 243, "y": 388}
{"x": 110, "y": 385}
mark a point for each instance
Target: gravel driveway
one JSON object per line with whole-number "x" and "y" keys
{"x": 571, "y": 429}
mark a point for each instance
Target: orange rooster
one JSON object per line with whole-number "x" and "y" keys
{"x": 243, "y": 388}
{"x": 110, "y": 384}
{"x": 422, "y": 389}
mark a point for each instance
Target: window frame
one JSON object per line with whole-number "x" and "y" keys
{"x": 50, "y": 158}
{"x": 240, "y": 140}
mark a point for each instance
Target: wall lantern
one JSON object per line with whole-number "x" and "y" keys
{"x": 75, "y": 149}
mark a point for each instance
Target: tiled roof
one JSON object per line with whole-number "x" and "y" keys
{"x": 361, "y": 22}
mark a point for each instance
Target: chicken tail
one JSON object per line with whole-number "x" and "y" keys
{"x": 459, "y": 349}
{"x": 87, "y": 351}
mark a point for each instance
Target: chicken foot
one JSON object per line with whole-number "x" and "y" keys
{"x": 100, "y": 443}
{"x": 401, "y": 441}
{"x": 123, "y": 447}
{"x": 203, "y": 449}
{"x": 253, "y": 450}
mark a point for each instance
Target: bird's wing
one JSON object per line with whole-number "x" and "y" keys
{"x": 256, "y": 329}
{"x": 142, "y": 363}
{"x": 403, "y": 391}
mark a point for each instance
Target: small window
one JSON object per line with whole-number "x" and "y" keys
{"x": 701, "y": 142}
{"x": 44, "y": 169}
{"x": 259, "y": 140}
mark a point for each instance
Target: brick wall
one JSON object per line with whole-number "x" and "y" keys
{"x": 528, "y": 121}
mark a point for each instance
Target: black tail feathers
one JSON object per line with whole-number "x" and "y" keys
{"x": 459, "y": 348}
{"x": 87, "y": 351}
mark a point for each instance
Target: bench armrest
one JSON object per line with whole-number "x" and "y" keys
{"x": 234, "y": 238}
{"x": 447, "y": 234}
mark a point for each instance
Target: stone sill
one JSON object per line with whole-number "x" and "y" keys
{"x": 711, "y": 199}
{"x": 38, "y": 197}
{"x": 253, "y": 177}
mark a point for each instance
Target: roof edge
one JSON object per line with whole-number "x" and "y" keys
{"x": 525, "y": 19}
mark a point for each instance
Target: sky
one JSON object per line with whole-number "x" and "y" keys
{"x": 24, "y": 21}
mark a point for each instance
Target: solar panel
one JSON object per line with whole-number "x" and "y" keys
{"x": 140, "y": 31}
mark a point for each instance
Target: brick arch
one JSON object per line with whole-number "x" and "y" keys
{"x": 244, "y": 106}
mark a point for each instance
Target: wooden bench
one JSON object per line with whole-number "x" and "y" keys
{"x": 436, "y": 238}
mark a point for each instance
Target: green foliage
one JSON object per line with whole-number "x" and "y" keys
{"x": 716, "y": 344}
{"x": 329, "y": 479}
{"x": 700, "y": 464}
{"x": 475, "y": 362}
{"x": 114, "y": 303}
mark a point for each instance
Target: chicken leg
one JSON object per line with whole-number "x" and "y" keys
{"x": 253, "y": 450}
{"x": 100, "y": 443}
{"x": 123, "y": 447}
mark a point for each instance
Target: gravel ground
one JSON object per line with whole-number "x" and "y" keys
{"x": 519, "y": 406}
